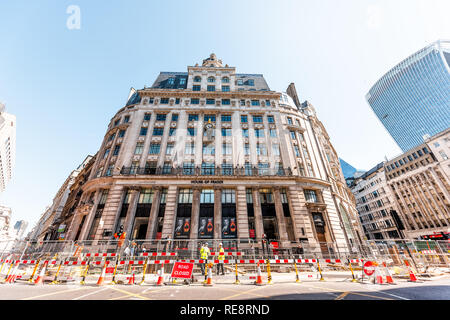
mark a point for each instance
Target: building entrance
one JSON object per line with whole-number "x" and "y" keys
{"x": 270, "y": 228}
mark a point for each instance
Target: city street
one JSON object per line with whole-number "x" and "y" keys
{"x": 333, "y": 289}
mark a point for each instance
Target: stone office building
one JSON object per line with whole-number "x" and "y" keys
{"x": 214, "y": 154}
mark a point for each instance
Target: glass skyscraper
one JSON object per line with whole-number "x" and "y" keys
{"x": 412, "y": 100}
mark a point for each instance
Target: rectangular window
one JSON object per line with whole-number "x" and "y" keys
{"x": 244, "y": 119}
{"x": 225, "y": 88}
{"x": 297, "y": 151}
{"x": 246, "y": 149}
{"x": 226, "y": 102}
{"x": 265, "y": 196}
{"x": 273, "y": 133}
{"x": 189, "y": 148}
{"x": 226, "y": 132}
{"x": 185, "y": 196}
{"x": 292, "y": 134}
{"x": 164, "y": 100}
{"x": 227, "y": 169}
{"x": 245, "y": 133}
{"x": 175, "y": 117}
{"x": 207, "y": 196}
{"x": 228, "y": 196}
{"x": 242, "y": 102}
{"x": 195, "y": 88}
{"x": 257, "y": 119}
{"x": 192, "y": 132}
{"x": 289, "y": 119}
{"x": 116, "y": 123}
{"x": 139, "y": 148}
{"x": 109, "y": 170}
{"x": 195, "y": 101}
{"x": 116, "y": 150}
{"x": 193, "y": 117}
{"x": 208, "y": 169}
{"x": 275, "y": 149}
{"x": 126, "y": 119}
{"x": 121, "y": 133}
{"x": 143, "y": 131}
{"x": 188, "y": 168}
{"x": 267, "y": 103}
{"x": 270, "y": 119}
{"x": 259, "y": 133}
{"x": 161, "y": 117}
{"x": 311, "y": 196}
{"x": 169, "y": 148}
{"x": 172, "y": 131}
{"x": 261, "y": 149}
{"x": 211, "y": 88}
{"x": 147, "y": 116}
{"x": 146, "y": 196}
{"x": 208, "y": 117}
{"x": 248, "y": 169}
{"x": 227, "y": 148}
{"x": 255, "y": 102}
{"x": 226, "y": 118}
{"x": 177, "y": 101}
{"x": 154, "y": 148}
{"x": 158, "y": 131}
{"x": 210, "y": 101}
{"x": 106, "y": 153}
{"x": 111, "y": 137}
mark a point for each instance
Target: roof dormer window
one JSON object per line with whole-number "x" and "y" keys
{"x": 171, "y": 81}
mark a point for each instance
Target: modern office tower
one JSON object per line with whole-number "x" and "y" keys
{"x": 374, "y": 202}
{"x": 420, "y": 183}
{"x": 412, "y": 100}
{"x": 7, "y": 146}
{"x": 214, "y": 154}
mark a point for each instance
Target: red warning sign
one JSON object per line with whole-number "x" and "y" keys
{"x": 369, "y": 268}
{"x": 182, "y": 270}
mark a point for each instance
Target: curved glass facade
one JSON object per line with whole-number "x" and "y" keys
{"x": 412, "y": 100}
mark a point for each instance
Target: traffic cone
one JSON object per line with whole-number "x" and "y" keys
{"x": 40, "y": 278}
{"x": 101, "y": 279}
{"x": 389, "y": 279}
{"x": 209, "y": 279}
{"x": 259, "y": 281}
{"x": 160, "y": 281}
{"x": 378, "y": 276}
{"x": 412, "y": 276}
{"x": 131, "y": 279}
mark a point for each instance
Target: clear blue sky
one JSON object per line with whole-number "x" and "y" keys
{"x": 65, "y": 85}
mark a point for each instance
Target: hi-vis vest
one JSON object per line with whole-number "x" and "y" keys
{"x": 204, "y": 252}
{"x": 221, "y": 257}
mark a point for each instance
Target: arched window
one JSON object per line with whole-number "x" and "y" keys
{"x": 211, "y": 79}
{"x": 225, "y": 80}
{"x": 197, "y": 79}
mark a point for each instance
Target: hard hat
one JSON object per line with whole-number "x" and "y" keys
{"x": 220, "y": 244}
{"x": 206, "y": 243}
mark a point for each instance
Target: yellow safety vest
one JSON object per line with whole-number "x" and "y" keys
{"x": 204, "y": 252}
{"x": 221, "y": 257}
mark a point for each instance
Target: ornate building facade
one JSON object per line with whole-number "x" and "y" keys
{"x": 214, "y": 154}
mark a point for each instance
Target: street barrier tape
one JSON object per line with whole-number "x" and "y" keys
{"x": 101, "y": 254}
{"x": 155, "y": 254}
{"x": 226, "y": 253}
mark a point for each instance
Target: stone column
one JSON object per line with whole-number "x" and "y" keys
{"x": 217, "y": 213}
{"x": 90, "y": 216}
{"x": 170, "y": 213}
{"x": 259, "y": 227}
{"x": 153, "y": 213}
{"x": 280, "y": 216}
{"x": 195, "y": 213}
{"x": 131, "y": 212}
{"x": 241, "y": 213}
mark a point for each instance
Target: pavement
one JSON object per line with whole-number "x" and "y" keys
{"x": 337, "y": 286}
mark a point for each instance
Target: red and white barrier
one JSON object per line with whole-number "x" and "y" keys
{"x": 101, "y": 254}
{"x": 157, "y": 254}
{"x": 226, "y": 253}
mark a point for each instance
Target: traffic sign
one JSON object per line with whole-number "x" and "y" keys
{"x": 369, "y": 268}
{"x": 182, "y": 270}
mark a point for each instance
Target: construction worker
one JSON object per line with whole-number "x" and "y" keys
{"x": 204, "y": 253}
{"x": 221, "y": 258}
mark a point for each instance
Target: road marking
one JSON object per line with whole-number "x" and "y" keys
{"x": 88, "y": 294}
{"x": 239, "y": 294}
{"x": 352, "y": 292}
{"x": 129, "y": 293}
{"x": 255, "y": 294}
{"x": 52, "y": 293}
{"x": 342, "y": 296}
{"x": 394, "y": 295}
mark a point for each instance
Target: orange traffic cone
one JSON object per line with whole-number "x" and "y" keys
{"x": 259, "y": 281}
{"x": 101, "y": 279}
{"x": 40, "y": 278}
{"x": 131, "y": 279}
{"x": 161, "y": 276}
{"x": 389, "y": 279}
{"x": 209, "y": 279}
{"x": 412, "y": 276}
{"x": 378, "y": 276}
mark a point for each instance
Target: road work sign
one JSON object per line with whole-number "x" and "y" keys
{"x": 182, "y": 270}
{"x": 369, "y": 268}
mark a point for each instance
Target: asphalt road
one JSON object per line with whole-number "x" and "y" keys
{"x": 336, "y": 289}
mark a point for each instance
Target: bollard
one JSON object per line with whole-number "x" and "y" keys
{"x": 269, "y": 275}
{"x": 115, "y": 270}
{"x": 9, "y": 270}
{"x": 236, "y": 271}
{"x": 320, "y": 272}
{"x": 34, "y": 271}
{"x": 206, "y": 272}
{"x": 85, "y": 274}
{"x": 143, "y": 273}
{"x": 55, "y": 280}
{"x": 296, "y": 272}
{"x": 351, "y": 269}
